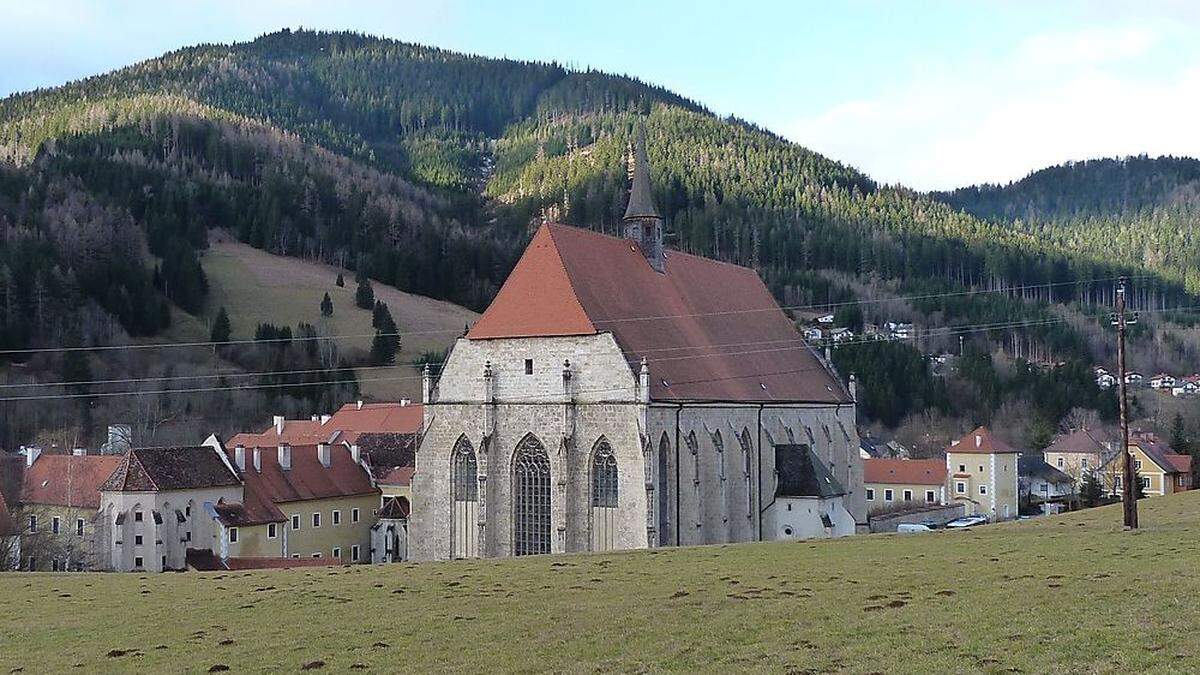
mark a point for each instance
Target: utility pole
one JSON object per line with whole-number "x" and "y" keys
{"x": 1129, "y": 493}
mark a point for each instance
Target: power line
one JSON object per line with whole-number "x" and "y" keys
{"x": 772, "y": 308}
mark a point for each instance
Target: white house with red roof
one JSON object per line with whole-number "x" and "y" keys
{"x": 619, "y": 395}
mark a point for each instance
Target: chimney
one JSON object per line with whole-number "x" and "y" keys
{"x": 355, "y": 454}
{"x": 323, "y": 454}
{"x": 325, "y": 418}
{"x": 314, "y": 418}
{"x": 31, "y": 455}
{"x": 257, "y": 460}
{"x": 426, "y": 385}
{"x": 278, "y": 421}
{"x": 358, "y": 403}
{"x": 285, "y": 457}
{"x": 239, "y": 457}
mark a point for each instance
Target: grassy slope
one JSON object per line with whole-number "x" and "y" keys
{"x": 255, "y": 286}
{"x": 1069, "y": 593}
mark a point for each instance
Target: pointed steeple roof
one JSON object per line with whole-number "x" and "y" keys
{"x": 641, "y": 197}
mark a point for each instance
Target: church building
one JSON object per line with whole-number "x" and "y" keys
{"x": 618, "y": 395}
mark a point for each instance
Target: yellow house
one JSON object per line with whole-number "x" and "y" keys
{"x": 891, "y": 482}
{"x": 1081, "y": 452}
{"x": 982, "y": 474}
{"x": 307, "y": 501}
{"x": 57, "y": 517}
{"x": 1162, "y": 472}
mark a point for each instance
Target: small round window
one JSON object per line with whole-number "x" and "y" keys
{"x": 787, "y": 531}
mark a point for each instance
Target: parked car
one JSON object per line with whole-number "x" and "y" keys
{"x": 910, "y": 528}
{"x": 966, "y": 521}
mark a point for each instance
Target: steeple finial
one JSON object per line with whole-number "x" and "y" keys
{"x": 641, "y": 197}
{"x": 643, "y": 224}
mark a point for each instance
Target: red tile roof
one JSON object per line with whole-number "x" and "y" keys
{"x": 307, "y": 479}
{"x": 981, "y": 442}
{"x": 67, "y": 480}
{"x": 711, "y": 331}
{"x": 346, "y": 425}
{"x": 1181, "y": 463}
{"x": 904, "y": 471}
{"x": 1082, "y": 441}
{"x": 401, "y": 475}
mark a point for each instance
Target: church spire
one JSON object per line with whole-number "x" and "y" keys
{"x": 643, "y": 223}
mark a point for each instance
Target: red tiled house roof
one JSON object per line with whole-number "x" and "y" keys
{"x": 981, "y": 442}
{"x": 1082, "y": 441}
{"x": 307, "y": 479}
{"x": 345, "y": 425}
{"x": 711, "y": 331}
{"x": 67, "y": 480}
{"x": 904, "y": 471}
{"x": 1181, "y": 463}
{"x": 401, "y": 475}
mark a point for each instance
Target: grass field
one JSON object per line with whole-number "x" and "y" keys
{"x": 1071, "y": 593}
{"x": 255, "y": 286}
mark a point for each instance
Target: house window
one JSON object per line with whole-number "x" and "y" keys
{"x": 33, "y": 523}
{"x": 1082, "y": 462}
{"x": 271, "y": 531}
{"x": 317, "y": 554}
{"x": 960, "y": 487}
{"x": 187, "y": 536}
{"x": 316, "y": 520}
{"x": 79, "y": 527}
{"x": 1145, "y": 482}
{"x": 32, "y": 563}
{"x": 531, "y": 498}
{"x": 354, "y": 553}
{"x": 54, "y": 565}
{"x": 870, "y": 494}
{"x": 887, "y": 495}
{"x": 137, "y": 562}
{"x": 464, "y": 500}
{"x": 337, "y": 552}
{"x": 54, "y": 525}
{"x": 1045, "y": 487}
{"x": 296, "y": 521}
{"x": 528, "y": 366}
{"x": 137, "y": 516}
{"x": 980, "y": 468}
{"x": 983, "y": 489}
{"x": 1137, "y": 464}
{"x": 354, "y": 515}
{"x": 337, "y": 517}
{"x": 296, "y": 555}
{"x": 908, "y": 495}
{"x": 962, "y": 468}
{"x": 187, "y": 511}
{"x": 137, "y": 540}
{"x": 1060, "y": 462}
{"x": 233, "y": 535}
{"x": 164, "y": 562}
{"x": 930, "y": 497}
{"x": 604, "y": 496}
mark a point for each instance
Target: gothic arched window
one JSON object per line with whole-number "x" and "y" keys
{"x": 464, "y": 501}
{"x": 604, "y": 496}
{"x": 747, "y": 451}
{"x": 531, "y": 497}
{"x": 662, "y": 487}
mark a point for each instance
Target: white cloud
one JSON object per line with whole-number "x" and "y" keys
{"x": 1054, "y": 98}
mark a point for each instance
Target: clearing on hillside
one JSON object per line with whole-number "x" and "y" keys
{"x": 1065, "y": 593}
{"x": 256, "y": 287}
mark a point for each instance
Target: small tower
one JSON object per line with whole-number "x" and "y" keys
{"x": 643, "y": 224}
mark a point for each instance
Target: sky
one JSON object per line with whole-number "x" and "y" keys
{"x": 929, "y": 94}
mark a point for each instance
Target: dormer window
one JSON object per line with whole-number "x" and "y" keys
{"x": 528, "y": 366}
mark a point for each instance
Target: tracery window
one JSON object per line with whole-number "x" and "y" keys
{"x": 531, "y": 497}
{"x": 464, "y": 501}
{"x": 605, "y": 494}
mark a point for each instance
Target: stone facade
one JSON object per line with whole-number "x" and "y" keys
{"x": 688, "y": 473}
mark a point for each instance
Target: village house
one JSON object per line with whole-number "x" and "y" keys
{"x": 1134, "y": 378}
{"x": 1186, "y": 386}
{"x": 1042, "y": 485}
{"x": 1162, "y": 381}
{"x": 59, "y": 510}
{"x": 1104, "y": 379}
{"x": 389, "y": 534}
{"x": 618, "y": 395}
{"x": 1081, "y": 452}
{"x": 1161, "y": 471}
{"x": 303, "y": 501}
{"x": 153, "y": 507}
{"x": 891, "y": 482}
{"x": 983, "y": 475}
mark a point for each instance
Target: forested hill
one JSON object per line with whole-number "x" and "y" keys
{"x": 1095, "y": 187}
{"x": 1136, "y": 211}
{"x": 424, "y": 168}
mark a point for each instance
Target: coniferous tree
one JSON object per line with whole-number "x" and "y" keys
{"x": 221, "y": 328}
{"x": 1091, "y": 491}
{"x": 364, "y": 295}
{"x": 341, "y": 281}
{"x": 327, "y": 306}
